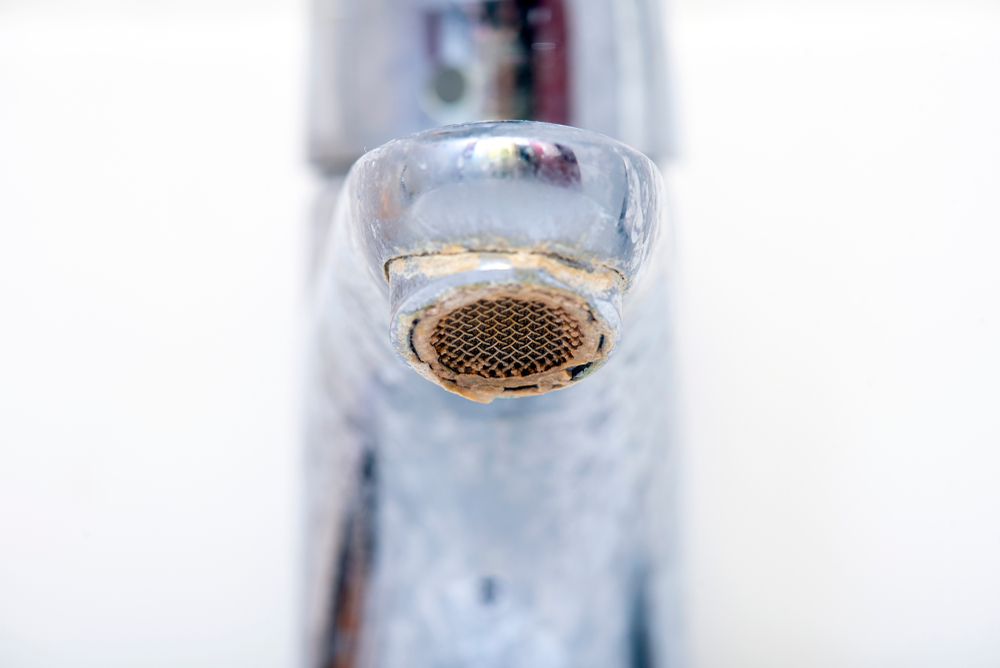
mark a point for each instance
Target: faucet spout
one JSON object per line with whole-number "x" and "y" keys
{"x": 506, "y": 249}
{"x": 496, "y": 260}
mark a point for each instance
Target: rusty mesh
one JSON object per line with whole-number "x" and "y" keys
{"x": 506, "y": 338}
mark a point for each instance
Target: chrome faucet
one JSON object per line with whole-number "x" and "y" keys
{"x": 490, "y": 476}
{"x": 383, "y": 69}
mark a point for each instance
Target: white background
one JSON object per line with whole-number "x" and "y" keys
{"x": 838, "y": 224}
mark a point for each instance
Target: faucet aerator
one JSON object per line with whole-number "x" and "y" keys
{"x": 505, "y": 338}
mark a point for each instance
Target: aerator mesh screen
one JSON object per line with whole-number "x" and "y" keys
{"x": 506, "y": 338}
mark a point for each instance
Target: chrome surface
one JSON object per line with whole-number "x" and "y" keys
{"x": 534, "y": 531}
{"x": 384, "y": 69}
{"x": 417, "y": 195}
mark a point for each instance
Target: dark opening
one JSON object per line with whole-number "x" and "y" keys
{"x": 488, "y": 590}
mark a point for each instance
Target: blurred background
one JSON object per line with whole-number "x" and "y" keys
{"x": 837, "y": 213}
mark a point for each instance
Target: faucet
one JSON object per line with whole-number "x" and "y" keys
{"x": 489, "y": 466}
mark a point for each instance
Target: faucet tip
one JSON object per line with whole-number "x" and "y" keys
{"x": 507, "y": 328}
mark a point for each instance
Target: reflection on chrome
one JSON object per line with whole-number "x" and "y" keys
{"x": 489, "y": 458}
{"x": 382, "y": 70}
{"x": 501, "y": 262}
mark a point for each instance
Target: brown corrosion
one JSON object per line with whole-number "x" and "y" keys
{"x": 511, "y": 339}
{"x": 506, "y": 338}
